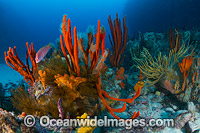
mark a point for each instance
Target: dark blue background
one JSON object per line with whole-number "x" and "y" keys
{"x": 38, "y": 21}
{"x": 160, "y": 15}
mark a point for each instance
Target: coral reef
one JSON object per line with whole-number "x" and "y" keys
{"x": 69, "y": 85}
{"x": 176, "y": 73}
{"x": 95, "y": 66}
{"x": 75, "y": 80}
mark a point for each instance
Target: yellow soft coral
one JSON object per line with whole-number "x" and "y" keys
{"x": 84, "y": 129}
{"x": 69, "y": 81}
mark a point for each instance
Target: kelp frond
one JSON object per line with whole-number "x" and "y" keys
{"x": 155, "y": 68}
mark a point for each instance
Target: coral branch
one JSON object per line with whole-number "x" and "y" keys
{"x": 184, "y": 67}
{"x": 73, "y": 61}
{"x": 119, "y": 110}
{"x": 120, "y": 76}
{"x": 174, "y": 38}
{"x": 118, "y": 43}
{"x": 72, "y": 50}
{"x": 94, "y": 55}
{"x": 76, "y": 41}
{"x": 15, "y": 63}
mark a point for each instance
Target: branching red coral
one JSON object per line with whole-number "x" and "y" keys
{"x": 15, "y": 63}
{"x": 120, "y": 76}
{"x": 93, "y": 51}
{"x": 100, "y": 44}
{"x": 184, "y": 67}
{"x": 174, "y": 38}
{"x": 118, "y": 41}
{"x": 86, "y": 52}
{"x": 73, "y": 62}
{"x": 103, "y": 93}
{"x": 72, "y": 50}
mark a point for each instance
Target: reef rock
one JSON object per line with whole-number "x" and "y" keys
{"x": 191, "y": 107}
{"x": 171, "y": 130}
{"x": 194, "y": 126}
{"x": 182, "y": 119}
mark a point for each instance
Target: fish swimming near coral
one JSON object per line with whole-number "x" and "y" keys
{"x": 42, "y": 52}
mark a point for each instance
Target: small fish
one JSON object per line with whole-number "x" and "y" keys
{"x": 60, "y": 108}
{"x": 42, "y": 52}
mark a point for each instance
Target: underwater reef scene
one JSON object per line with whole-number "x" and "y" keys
{"x": 149, "y": 76}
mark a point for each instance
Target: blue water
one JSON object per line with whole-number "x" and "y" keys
{"x": 38, "y": 21}
{"x": 160, "y": 15}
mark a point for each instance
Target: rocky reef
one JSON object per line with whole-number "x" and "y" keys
{"x": 154, "y": 75}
